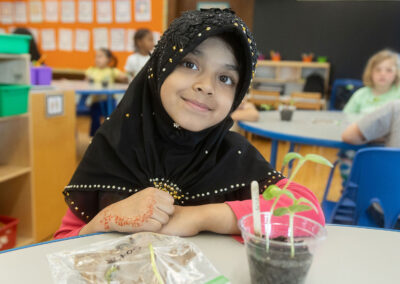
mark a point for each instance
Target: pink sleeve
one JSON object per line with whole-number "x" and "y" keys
{"x": 70, "y": 226}
{"x": 244, "y": 207}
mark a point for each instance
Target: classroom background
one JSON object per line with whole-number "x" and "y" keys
{"x": 41, "y": 146}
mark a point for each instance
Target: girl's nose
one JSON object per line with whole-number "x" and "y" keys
{"x": 204, "y": 86}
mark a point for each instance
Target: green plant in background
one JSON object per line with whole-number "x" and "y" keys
{"x": 266, "y": 107}
{"x": 300, "y": 204}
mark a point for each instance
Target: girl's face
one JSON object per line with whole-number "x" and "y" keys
{"x": 146, "y": 44}
{"x": 384, "y": 74}
{"x": 101, "y": 59}
{"x": 199, "y": 93}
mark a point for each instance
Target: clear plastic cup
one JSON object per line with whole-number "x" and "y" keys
{"x": 272, "y": 261}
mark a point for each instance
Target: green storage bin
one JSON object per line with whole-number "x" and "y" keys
{"x": 13, "y": 99}
{"x": 17, "y": 44}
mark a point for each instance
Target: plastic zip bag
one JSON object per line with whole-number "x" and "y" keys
{"x": 138, "y": 258}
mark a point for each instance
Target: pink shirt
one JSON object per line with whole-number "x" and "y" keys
{"x": 71, "y": 225}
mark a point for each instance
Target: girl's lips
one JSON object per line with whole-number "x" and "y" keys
{"x": 196, "y": 105}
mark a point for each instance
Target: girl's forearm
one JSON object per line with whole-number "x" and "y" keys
{"x": 218, "y": 218}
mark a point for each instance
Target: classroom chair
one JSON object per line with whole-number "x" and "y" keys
{"x": 259, "y": 97}
{"x": 307, "y": 100}
{"x": 371, "y": 196}
{"x": 342, "y": 90}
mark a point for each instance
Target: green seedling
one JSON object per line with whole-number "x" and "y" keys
{"x": 299, "y": 205}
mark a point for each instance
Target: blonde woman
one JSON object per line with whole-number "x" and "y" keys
{"x": 381, "y": 79}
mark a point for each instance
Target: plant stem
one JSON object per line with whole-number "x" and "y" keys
{"x": 153, "y": 264}
{"x": 291, "y": 234}
{"x": 298, "y": 166}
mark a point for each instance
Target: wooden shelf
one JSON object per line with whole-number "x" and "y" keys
{"x": 285, "y": 63}
{"x": 10, "y": 172}
{"x": 12, "y": 117}
{"x": 272, "y": 80}
{"x": 24, "y": 241}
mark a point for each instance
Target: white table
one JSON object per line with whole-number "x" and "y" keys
{"x": 349, "y": 255}
{"x": 319, "y": 128}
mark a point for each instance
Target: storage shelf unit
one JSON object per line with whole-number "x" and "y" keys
{"x": 288, "y": 76}
{"x": 15, "y": 69}
{"x": 15, "y": 153}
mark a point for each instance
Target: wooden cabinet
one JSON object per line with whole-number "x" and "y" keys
{"x": 37, "y": 159}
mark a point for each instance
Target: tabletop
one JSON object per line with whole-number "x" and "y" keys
{"x": 84, "y": 87}
{"x": 348, "y": 255}
{"x": 320, "y": 128}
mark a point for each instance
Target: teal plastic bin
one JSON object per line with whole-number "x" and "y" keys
{"x": 17, "y": 44}
{"x": 13, "y": 99}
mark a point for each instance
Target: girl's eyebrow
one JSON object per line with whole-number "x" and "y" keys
{"x": 232, "y": 67}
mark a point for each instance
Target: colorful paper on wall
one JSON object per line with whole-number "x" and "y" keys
{"x": 65, "y": 39}
{"x": 20, "y": 12}
{"x": 35, "y": 33}
{"x": 48, "y": 39}
{"x": 68, "y": 11}
{"x": 6, "y": 15}
{"x": 35, "y": 11}
{"x": 85, "y": 11}
{"x": 123, "y": 11}
{"x": 82, "y": 40}
{"x": 130, "y": 44}
{"x": 142, "y": 10}
{"x": 51, "y": 11}
{"x": 104, "y": 11}
{"x": 100, "y": 38}
{"x": 118, "y": 39}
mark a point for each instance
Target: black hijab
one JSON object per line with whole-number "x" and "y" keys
{"x": 140, "y": 146}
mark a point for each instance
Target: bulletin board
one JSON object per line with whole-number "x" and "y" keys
{"x": 69, "y": 31}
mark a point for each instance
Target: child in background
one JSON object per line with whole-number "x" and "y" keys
{"x": 382, "y": 123}
{"x": 33, "y": 49}
{"x": 102, "y": 75}
{"x": 166, "y": 161}
{"x": 144, "y": 44}
{"x": 381, "y": 79}
{"x": 246, "y": 111}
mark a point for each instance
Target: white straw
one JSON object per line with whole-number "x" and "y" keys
{"x": 255, "y": 197}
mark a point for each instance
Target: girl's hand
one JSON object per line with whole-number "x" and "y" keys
{"x": 191, "y": 220}
{"x": 185, "y": 222}
{"x": 147, "y": 210}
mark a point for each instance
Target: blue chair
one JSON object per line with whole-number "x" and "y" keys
{"x": 351, "y": 86}
{"x": 374, "y": 181}
{"x": 81, "y": 108}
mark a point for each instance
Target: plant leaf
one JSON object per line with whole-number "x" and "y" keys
{"x": 281, "y": 211}
{"x": 271, "y": 192}
{"x": 305, "y": 200}
{"x": 291, "y": 156}
{"x": 299, "y": 208}
{"x": 288, "y": 194}
{"x": 318, "y": 159}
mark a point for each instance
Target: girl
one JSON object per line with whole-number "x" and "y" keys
{"x": 381, "y": 79}
{"x": 103, "y": 75}
{"x": 144, "y": 44}
{"x": 165, "y": 161}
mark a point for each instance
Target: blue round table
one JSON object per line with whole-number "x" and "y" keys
{"x": 318, "y": 128}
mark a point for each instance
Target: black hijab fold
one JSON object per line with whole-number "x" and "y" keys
{"x": 140, "y": 146}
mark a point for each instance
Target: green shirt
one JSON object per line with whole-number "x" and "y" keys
{"x": 364, "y": 101}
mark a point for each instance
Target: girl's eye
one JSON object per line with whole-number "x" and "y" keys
{"x": 225, "y": 79}
{"x": 189, "y": 65}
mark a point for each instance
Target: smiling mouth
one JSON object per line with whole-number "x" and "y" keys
{"x": 196, "y": 105}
